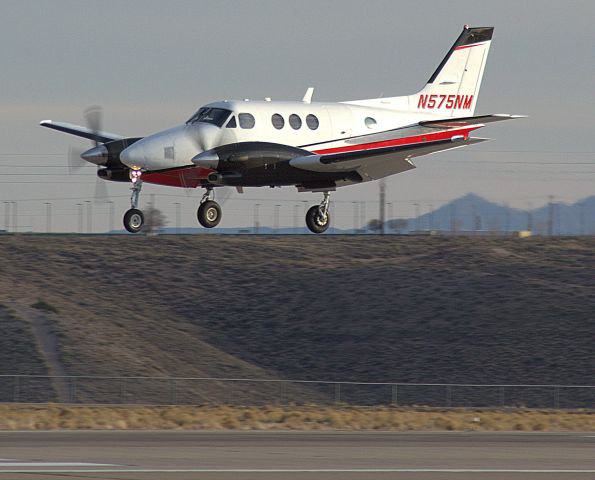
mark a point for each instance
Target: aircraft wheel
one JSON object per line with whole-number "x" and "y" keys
{"x": 316, "y": 222}
{"x": 209, "y": 214}
{"x": 134, "y": 220}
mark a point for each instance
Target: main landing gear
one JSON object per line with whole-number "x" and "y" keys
{"x": 134, "y": 218}
{"x": 318, "y": 217}
{"x": 209, "y": 211}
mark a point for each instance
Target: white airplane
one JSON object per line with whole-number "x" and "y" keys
{"x": 314, "y": 146}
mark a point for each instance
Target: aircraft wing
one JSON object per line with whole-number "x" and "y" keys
{"x": 385, "y": 153}
{"x": 377, "y": 163}
{"x": 79, "y": 131}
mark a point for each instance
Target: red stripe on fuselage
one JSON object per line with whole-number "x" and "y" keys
{"x": 428, "y": 137}
{"x": 185, "y": 177}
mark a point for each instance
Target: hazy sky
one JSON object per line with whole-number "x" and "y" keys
{"x": 151, "y": 64}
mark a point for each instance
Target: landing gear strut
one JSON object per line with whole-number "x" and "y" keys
{"x": 318, "y": 217}
{"x": 134, "y": 218}
{"x": 209, "y": 211}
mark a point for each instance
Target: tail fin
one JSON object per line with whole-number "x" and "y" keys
{"x": 453, "y": 88}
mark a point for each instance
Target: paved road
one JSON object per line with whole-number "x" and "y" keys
{"x": 295, "y": 456}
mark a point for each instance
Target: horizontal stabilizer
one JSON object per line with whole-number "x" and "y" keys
{"x": 102, "y": 137}
{"x": 466, "y": 121}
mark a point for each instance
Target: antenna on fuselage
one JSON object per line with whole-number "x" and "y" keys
{"x": 308, "y": 95}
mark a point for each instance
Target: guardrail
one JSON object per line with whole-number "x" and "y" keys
{"x": 252, "y": 391}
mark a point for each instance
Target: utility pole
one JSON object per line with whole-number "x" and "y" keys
{"x": 178, "y": 217}
{"x": 276, "y": 218}
{"x": 89, "y": 216}
{"x": 296, "y": 209}
{"x": 382, "y": 213}
{"x": 431, "y": 217}
{"x": 417, "y": 215}
{"x": 111, "y": 215}
{"x": 15, "y": 218}
{"x": 529, "y": 217}
{"x": 550, "y": 215}
{"x": 48, "y": 219}
{"x": 362, "y": 214}
{"x": 6, "y": 216}
{"x": 80, "y": 215}
{"x": 453, "y": 217}
{"x": 256, "y": 223}
{"x": 355, "y": 215}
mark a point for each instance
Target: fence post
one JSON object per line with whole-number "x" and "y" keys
{"x": 17, "y": 386}
{"x": 122, "y": 390}
{"x": 449, "y": 395}
{"x": 395, "y": 398}
{"x": 337, "y": 393}
{"x": 172, "y": 391}
{"x": 72, "y": 389}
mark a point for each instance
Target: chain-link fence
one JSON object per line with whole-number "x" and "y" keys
{"x": 235, "y": 391}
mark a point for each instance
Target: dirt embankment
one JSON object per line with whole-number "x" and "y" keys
{"x": 362, "y": 308}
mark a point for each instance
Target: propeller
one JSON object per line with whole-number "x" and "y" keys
{"x": 93, "y": 119}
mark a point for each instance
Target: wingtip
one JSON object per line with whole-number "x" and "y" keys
{"x": 508, "y": 115}
{"x": 45, "y": 122}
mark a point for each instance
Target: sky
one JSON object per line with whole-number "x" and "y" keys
{"x": 151, "y": 64}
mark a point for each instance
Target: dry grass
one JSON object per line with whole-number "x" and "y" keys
{"x": 56, "y": 417}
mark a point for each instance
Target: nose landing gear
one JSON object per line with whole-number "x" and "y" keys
{"x": 209, "y": 211}
{"x": 134, "y": 218}
{"x": 318, "y": 217}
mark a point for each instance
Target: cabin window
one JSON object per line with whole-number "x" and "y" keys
{"x": 278, "y": 121}
{"x": 370, "y": 122}
{"x": 232, "y": 122}
{"x": 214, "y": 116}
{"x": 246, "y": 120}
{"x": 312, "y": 122}
{"x": 295, "y": 121}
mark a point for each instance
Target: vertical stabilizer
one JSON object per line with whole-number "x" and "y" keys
{"x": 453, "y": 89}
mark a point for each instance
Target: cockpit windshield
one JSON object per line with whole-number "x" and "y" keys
{"x": 214, "y": 116}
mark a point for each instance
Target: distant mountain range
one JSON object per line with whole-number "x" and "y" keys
{"x": 468, "y": 214}
{"x": 474, "y": 213}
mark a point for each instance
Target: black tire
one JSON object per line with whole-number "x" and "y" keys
{"x": 209, "y": 214}
{"x": 134, "y": 220}
{"x": 315, "y": 222}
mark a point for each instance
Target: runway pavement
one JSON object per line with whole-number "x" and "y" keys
{"x": 149, "y": 455}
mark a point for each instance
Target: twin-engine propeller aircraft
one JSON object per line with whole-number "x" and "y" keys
{"x": 316, "y": 147}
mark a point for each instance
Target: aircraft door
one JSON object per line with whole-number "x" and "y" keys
{"x": 341, "y": 121}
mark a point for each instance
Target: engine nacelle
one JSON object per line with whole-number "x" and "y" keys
{"x": 217, "y": 178}
{"x": 114, "y": 174}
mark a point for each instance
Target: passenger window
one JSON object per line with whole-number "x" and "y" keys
{"x": 370, "y": 122}
{"x": 277, "y": 121}
{"x": 232, "y": 122}
{"x": 295, "y": 121}
{"x": 312, "y": 122}
{"x": 246, "y": 120}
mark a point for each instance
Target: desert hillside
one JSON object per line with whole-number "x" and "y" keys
{"x": 362, "y": 308}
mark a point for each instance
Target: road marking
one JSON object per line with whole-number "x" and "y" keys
{"x": 4, "y": 463}
{"x": 301, "y": 470}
